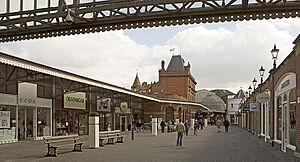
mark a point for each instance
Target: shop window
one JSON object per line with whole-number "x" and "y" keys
{"x": 83, "y": 124}
{"x": 292, "y": 117}
{"x": 8, "y": 122}
{"x": 43, "y": 122}
{"x": 105, "y": 121}
{"x": 61, "y": 120}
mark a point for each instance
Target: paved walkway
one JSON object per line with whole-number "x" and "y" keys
{"x": 237, "y": 145}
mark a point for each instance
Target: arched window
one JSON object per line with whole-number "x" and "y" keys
{"x": 292, "y": 117}
{"x": 169, "y": 113}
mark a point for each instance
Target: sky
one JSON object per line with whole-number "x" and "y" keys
{"x": 222, "y": 55}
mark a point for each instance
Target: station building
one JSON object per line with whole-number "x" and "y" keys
{"x": 175, "y": 83}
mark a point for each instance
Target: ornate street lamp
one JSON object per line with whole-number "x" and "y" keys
{"x": 274, "y": 53}
{"x": 261, "y": 74}
{"x": 254, "y": 83}
{"x": 250, "y": 88}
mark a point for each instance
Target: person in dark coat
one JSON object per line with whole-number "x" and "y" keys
{"x": 162, "y": 124}
{"x": 226, "y": 124}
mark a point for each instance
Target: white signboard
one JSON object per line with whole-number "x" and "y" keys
{"x": 27, "y": 94}
{"x": 263, "y": 97}
{"x": 74, "y": 100}
{"x": 104, "y": 104}
{"x": 4, "y": 119}
{"x": 254, "y": 107}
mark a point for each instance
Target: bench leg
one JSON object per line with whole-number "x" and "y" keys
{"x": 120, "y": 140}
{"x": 101, "y": 142}
{"x": 110, "y": 141}
{"x": 52, "y": 151}
{"x": 77, "y": 147}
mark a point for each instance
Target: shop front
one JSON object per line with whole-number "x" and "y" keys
{"x": 123, "y": 118}
{"x": 285, "y": 112}
{"x": 73, "y": 117}
{"x": 24, "y": 116}
{"x": 104, "y": 109}
{"x": 34, "y": 114}
{"x": 8, "y": 118}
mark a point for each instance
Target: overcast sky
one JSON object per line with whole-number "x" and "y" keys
{"x": 222, "y": 55}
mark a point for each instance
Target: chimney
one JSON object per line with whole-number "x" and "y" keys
{"x": 163, "y": 65}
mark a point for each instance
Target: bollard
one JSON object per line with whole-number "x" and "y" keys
{"x": 132, "y": 134}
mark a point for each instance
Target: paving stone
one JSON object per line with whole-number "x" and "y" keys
{"x": 237, "y": 145}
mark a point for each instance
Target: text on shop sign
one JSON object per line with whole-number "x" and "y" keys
{"x": 75, "y": 99}
{"x": 27, "y": 100}
{"x": 285, "y": 84}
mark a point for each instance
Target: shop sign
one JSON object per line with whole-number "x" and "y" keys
{"x": 4, "y": 119}
{"x": 124, "y": 107}
{"x": 245, "y": 109}
{"x": 254, "y": 107}
{"x": 27, "y": 94}
{"x": 104, "y": 104}
{"x": 263, "y": 97}
{"x": 74, "y": 100}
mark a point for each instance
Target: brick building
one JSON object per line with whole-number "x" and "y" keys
{"x": 175, "y": 83}
{"x": 276, "y": 118}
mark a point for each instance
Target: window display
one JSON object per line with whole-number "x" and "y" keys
{"x": 8, "y": 122}
{"x": 43, "y": 122}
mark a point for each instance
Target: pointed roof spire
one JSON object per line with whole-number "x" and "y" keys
{"x": 241, "y": 94}
{"x": 136, "y": 83}
{"x": 176, "y": 63}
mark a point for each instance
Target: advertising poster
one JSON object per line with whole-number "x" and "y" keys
{"x": 4, "y": 119}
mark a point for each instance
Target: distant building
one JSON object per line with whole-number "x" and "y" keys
{"x": 233, "y": 106}
{"x": 174, "y": 83}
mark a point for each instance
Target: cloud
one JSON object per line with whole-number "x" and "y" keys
{"x": 219, "y": 57}
{"x": 223, "y": 58}
{"x": 111, "y": 57}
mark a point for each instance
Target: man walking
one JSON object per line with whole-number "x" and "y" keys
{"x": 219, "y": 124}
{"x": 180, "y": 130}
{"x": 162, "y": 124}
{"x": 226, "y": 124}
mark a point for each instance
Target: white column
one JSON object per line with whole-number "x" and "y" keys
{"x": 205, "y": 123}
{"x": 94, "y": 131}
{"x": 192, "y": 123}
{"x": 154, "y": 126}
{"x": 34, "y": 124}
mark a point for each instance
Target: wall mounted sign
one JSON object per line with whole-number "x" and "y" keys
{"x": 124, "y": 107}
{"x": 254, "y": 107}
{"x": 27, "y": 94}
{"x": 74, "y": 100}
{"x": 104, "y": 104}
{"x": 263, "y": 98}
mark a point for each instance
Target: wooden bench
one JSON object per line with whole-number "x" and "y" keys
{"x": 56, "y": 141}
{"x": 111, "y": 136}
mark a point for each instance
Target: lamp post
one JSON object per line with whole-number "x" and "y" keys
{"x": 254, "y": 84}
{"x": 274, "y": 53}
{"x": 261, "y": 74}
{"x": 250, "y": 88}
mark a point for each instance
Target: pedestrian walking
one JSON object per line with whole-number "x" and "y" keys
{"x": 201, "y": 123}
{"x": 170, "y": 125}
{"x": 219, "y": 124}
{"x": 162, "y": 124}
{"x": 186, "y": 127}
{"x": 226, "y": 124}
{"x": 180, "y": 130}
{"x": 196, "y": 128}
